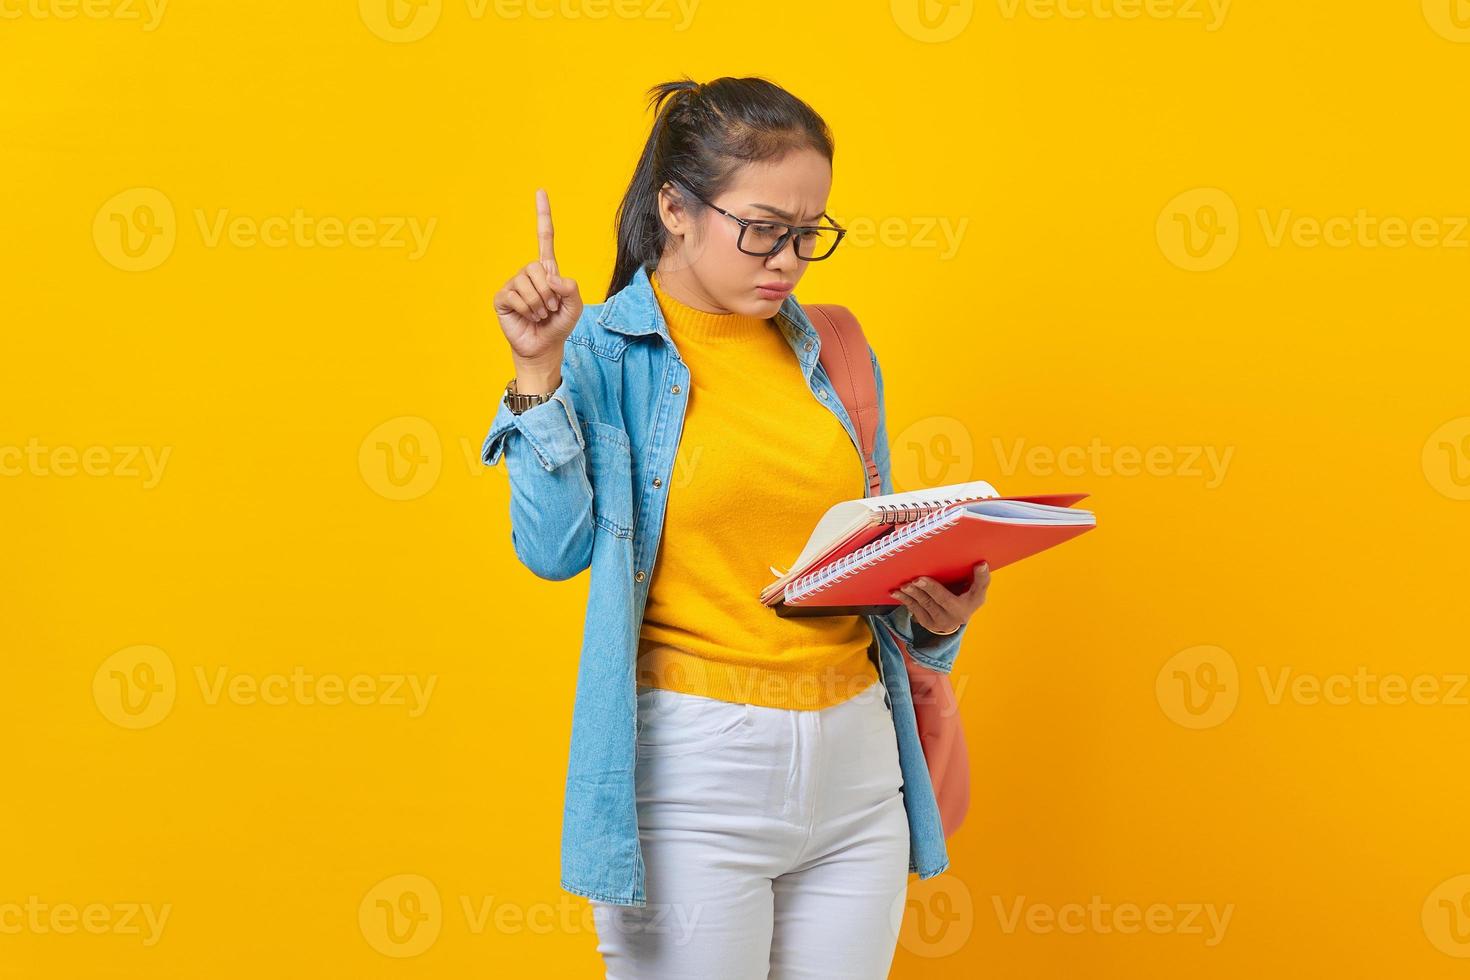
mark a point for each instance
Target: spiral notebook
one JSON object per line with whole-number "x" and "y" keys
{"x": 858, "y": 554}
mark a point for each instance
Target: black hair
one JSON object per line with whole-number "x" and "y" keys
{"x": 701, "y": 135}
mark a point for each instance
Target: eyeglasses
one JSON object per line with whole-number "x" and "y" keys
{"x": 760, "y": 237}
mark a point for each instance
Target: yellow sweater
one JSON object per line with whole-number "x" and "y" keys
{"x": 759, "y": 461}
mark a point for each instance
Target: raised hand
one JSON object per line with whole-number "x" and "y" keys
{"x": 538, "y": 307}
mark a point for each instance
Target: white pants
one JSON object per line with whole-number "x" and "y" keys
{"x": 775, "y": 843}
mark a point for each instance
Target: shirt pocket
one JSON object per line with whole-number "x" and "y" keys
{"x": 610, "y": 470}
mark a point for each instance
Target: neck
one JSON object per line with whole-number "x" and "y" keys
{"x": 681, "y": 285}
{"x": 689, "y": 321}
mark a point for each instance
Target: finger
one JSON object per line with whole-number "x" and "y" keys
{"x": 523, "y": 285}
{"x": 917, "y": 612}
{"x": 564, "y": 286}
{"x": 937, "y": 600}
{"x": 539, "y": 278}
{"x": 545, "y": 237}
{"x": 980, "y": 582}
{"x": 513, "y": 302}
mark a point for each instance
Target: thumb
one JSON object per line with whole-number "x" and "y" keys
{"x": 562, "y": 285}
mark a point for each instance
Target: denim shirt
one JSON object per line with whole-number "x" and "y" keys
{"x": 590, "y": 472}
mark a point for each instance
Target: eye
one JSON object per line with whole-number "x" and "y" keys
{"x": 767, "y": 229}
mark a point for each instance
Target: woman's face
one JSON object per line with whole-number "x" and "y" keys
{"x": 701, "y": 259}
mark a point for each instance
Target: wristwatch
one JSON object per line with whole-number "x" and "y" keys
{"x": 519, "y": 402}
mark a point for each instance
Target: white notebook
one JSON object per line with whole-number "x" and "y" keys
{"x": 850, "y": 524}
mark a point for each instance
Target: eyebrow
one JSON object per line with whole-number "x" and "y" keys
{"x": 786, "y": 215}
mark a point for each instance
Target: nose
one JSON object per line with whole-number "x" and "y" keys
{"x": 785, "y": 262}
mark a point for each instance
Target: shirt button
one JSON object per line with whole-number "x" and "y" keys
{"x": 675, "y": 389}
{"x": 657, "y": 482}
{"x": 639, "y": 576}
{"x": 808, "y": 345}
{"x": 822, "y": 393}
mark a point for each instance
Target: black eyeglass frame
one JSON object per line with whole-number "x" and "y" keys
{"x": 790, "y": 235}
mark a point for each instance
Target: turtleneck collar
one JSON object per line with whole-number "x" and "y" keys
{"x": 686, "y": 321}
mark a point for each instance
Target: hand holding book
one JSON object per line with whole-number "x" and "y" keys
{"x": 932, "y": 605}
{"x": 864, "y": 550}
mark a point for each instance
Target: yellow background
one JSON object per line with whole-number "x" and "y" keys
{"x": 1066, "y": 155}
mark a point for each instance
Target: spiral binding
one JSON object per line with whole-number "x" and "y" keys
{"x": 900, "y": 514}
{"x": 871, "y": 553}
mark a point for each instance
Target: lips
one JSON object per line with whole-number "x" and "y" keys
{"x": 771, "y": 290}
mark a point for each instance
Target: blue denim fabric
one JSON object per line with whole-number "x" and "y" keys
{"x": 581, "y": 469}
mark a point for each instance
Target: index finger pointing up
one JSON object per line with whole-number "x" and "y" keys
{"x": 544, "y": 234}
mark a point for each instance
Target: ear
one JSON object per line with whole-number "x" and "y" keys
{"x": 671, "y": 211}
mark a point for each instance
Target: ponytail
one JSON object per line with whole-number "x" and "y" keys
{"x": 701, "y": 135}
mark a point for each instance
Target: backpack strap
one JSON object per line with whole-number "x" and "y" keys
{"x": 845, "y": 357}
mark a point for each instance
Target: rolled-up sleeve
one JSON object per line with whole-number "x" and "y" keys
{"x": 550, "y": 495}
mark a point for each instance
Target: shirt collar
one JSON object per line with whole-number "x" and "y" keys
{"x": 634, "y": 311}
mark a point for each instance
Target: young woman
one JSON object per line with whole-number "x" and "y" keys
{"x": 746, "y": 793}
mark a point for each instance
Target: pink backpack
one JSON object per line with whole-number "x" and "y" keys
{"x": 844, "y": 355}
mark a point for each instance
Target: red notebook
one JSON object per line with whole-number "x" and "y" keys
{"x": 944, "y": 545}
